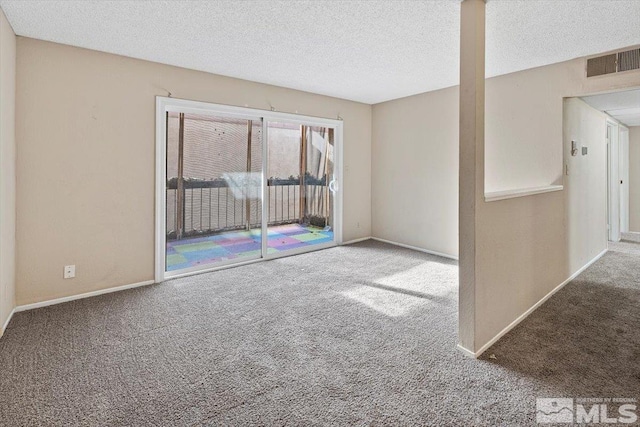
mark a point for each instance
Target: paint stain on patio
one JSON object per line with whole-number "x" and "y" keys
{"x": 229, "y": 245}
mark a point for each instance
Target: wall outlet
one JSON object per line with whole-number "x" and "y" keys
{"x": 69, "y": 271}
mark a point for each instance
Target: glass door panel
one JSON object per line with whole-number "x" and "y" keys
{"x": 213, "y": 191}
{"x": 300, "y": 187}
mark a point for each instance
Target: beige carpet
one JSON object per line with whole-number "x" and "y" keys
{"x": 631, "y": 237}
{"x": 356, "y": 335}
{"x": 627, "y": 245}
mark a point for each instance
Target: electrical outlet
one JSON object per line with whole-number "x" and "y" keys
{"x": 69, "y": 271}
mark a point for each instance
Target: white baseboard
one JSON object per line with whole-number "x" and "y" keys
{"x": 466, "y": 351}
{"x": 350, "y": 242}
{"x": 81, "y": 296}
{"x": 415, "y": 248}
{"x": 532, "y": 309}
{"x": 6, "y": 323}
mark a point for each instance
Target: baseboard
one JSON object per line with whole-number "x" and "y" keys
{"x": 6, "y": 323}
{"x": 533, "y": 308}
{"x": 362, "y": 239}
{"x": 466, "y": 351}
{"x": 81, "y": 296}
{"x": 415, "y": 248}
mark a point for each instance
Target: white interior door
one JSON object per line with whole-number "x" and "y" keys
{"x": 624, "y": 179}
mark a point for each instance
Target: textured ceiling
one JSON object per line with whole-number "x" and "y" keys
{"x": 624, "y": 106}
{"x": 368, "y": 51}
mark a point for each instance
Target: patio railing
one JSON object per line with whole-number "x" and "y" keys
{"x": 211, "y": 207}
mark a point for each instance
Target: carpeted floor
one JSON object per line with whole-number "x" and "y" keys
{"x": 631, "y": 237}
{"x": 355, "y": 335}
{"x": 625, "y": 246}
{"x": 196, "y": 251}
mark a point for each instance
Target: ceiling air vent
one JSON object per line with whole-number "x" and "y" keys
{"x": 629, "y": 60}
{"x": 601, "y": 65}
{"x": 614, "y": 63}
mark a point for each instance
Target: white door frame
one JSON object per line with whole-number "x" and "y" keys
{"x": 614, "y": 181}
{"x": 166, "y": 104}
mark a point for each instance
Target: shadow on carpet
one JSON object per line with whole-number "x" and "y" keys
{"x": 585, "y": 340}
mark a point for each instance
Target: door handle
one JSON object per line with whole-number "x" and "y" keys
{"x": 332, "y": 186}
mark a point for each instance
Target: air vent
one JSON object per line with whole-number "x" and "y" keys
{"x": 614, "y": 63}
{"x": 629, "y": 60}
{"x": 601, "y": 65}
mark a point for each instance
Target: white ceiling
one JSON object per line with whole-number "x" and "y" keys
{"x": 368, "y": 51}
{"x": 623, "y": 106}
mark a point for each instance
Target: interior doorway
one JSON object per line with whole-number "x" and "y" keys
{"x": 623, "y": 161}
{"x": 237, "y": 185}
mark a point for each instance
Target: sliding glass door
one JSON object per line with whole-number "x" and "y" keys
{"x": 300, "y": 187}
{"x": 213, "y": 190}
{"x": 234, "y": 185}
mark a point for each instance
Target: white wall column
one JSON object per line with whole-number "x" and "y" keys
{"x": 471, "y": 179}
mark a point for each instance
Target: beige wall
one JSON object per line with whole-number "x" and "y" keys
{"x": 528, "y": 245}
{"x": 634, "y": 178}
{"x": 520, "y": 151}
{"x": 585, "y": 183}
{"x": 524, "y": 249}
{"x": 85, "y": 133}
{"x": 415, "y": 159}
{"x": 532, "y": 244}
{"x": 7, "y": 169}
